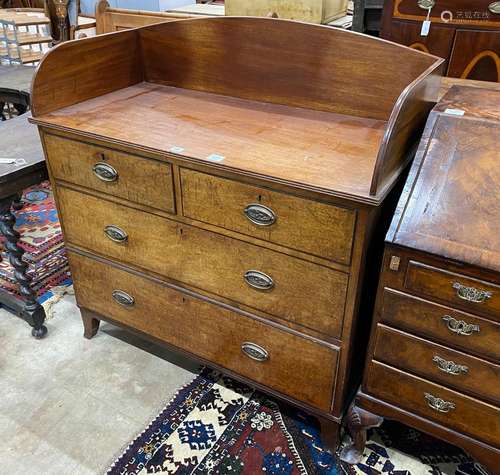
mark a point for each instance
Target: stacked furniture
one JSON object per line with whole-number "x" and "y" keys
{"x": 221, "y": 199}
{"x": 23, "y": 35}
{"x": 434, "y": 355}
{"x": 367, "y": 16}
{"x": 313, "y": 11}
{"x": 465, "y": 33}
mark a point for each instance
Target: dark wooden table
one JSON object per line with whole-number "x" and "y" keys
{"x": 15, "y": 84}
{"x": 19, "y": 140}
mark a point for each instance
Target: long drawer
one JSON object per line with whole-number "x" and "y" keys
{"x": 110, "y": 171}
{"x": 283, "y": 286}
{"x": 316, "y": 228}
{"x": 443, "y": 324}
{"x": 433, "y": 401}
{"x": 298, "y": 367}
{"x": 474, "y": 295}
{"x": 439, "y": 364}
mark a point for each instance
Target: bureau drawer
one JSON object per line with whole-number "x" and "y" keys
{"x": 475, "y": 295}
{"x": 296, "y": 366}
{"x": 443, "y": 324}
{"x": 438, "y": 363}
{"x": 138, "y": 179}
{"x": 434, "y": 402}
{"x": 305, "y": 225}
{"x": 283, "y": 286}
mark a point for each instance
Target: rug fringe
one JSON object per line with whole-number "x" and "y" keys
{"x": 58, "y": 293}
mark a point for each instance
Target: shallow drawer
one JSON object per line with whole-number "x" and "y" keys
{"x": 138, "y": 179}
{"x": 475, "y": 295}
{"x": 296, "y": 366}
{"x": 437, "y": 363}
{"x": 284, "y": 286}
{"x": 316, "y": 228}
{"x": 443, "y": 324}
{"x": 430, "y": 400}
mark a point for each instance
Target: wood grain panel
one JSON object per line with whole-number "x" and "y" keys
{"x": 238, "y": 57}
{"x": 308, "y": 148}
{"x": 75, "y": 71}
{"x": 430, "y": 320}
{"x": 304, "y": 293}
{"x": 474, "y": 376}
{"x": 469, "y": 416}
{"x": 442, "y": 285}
{"x": 73, "y": 162}
{"x": 309, "y": 226}
{"x": 298, "y": 367}
{"x": 439, "y": 41}
{"x": 476, "y": 55}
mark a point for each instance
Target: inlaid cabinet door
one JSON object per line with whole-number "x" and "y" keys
{"x": 455, "y": 12}
{"x": 439, "y": 41}
{"x": 476, "y": 55}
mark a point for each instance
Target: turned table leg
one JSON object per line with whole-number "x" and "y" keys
{"x": 32, "y": 311}
{"x": 90, "y": 324}
{"x": 358, "y": 422}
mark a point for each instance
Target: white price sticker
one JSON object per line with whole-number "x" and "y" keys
{"x": 426, "y": 26}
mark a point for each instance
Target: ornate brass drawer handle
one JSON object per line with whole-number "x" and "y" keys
{"x": 426, "y": 4}
{"x": 105, "y": 172}
{"x": 258, "y": 280}
{"x": 121, "y": 297}
{"x": 254, "y": 351}
{"x": 115, "y": 233}
{"x": 260, "y": 215}
{"x": 439, "y": 404}
{"x": 460, "y": 327}
{"x": 450, "y": 367}
{"x": 494, "y": 7}
{"x": 471, "y": 294}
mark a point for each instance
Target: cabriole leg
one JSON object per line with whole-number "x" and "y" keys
{"x": 358, "y": 422}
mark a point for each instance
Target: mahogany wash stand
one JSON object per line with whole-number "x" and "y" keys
{"x": 222, "y": 182}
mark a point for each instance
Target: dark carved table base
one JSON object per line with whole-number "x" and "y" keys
{"x": 29, "y": 308}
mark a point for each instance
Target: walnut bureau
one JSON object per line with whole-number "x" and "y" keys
{"x": 220, "y": 184}
{"x": 434, "y": 358}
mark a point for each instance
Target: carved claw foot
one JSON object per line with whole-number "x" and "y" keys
{"x": 358, "y": 422}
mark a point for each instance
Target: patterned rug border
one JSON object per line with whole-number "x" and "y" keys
{"x": 130, "y": 448}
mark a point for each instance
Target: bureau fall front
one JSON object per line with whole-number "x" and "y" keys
{"x": 221, "y": 187}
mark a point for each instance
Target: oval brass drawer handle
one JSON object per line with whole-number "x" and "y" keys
{"x": 450, "y": 367}
{"x": 258, "y": 280}
{"x": 115, "y": 233}
{"x": 439, "y": 404}
{"x": 254, "y": 351}
{"x": 105, "y": 172}
{"x": 460, "y": 327}
{"x": 123, "y": 298}
{"x": 471, "y": 294}
{"x": 494, "y": 7}
{"x": 260, "y": 215}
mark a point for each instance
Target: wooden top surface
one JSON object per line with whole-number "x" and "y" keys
{"x": 20, "y": 140}
{"x": 452, "y": 209}
{"x": 323, "y": 151}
